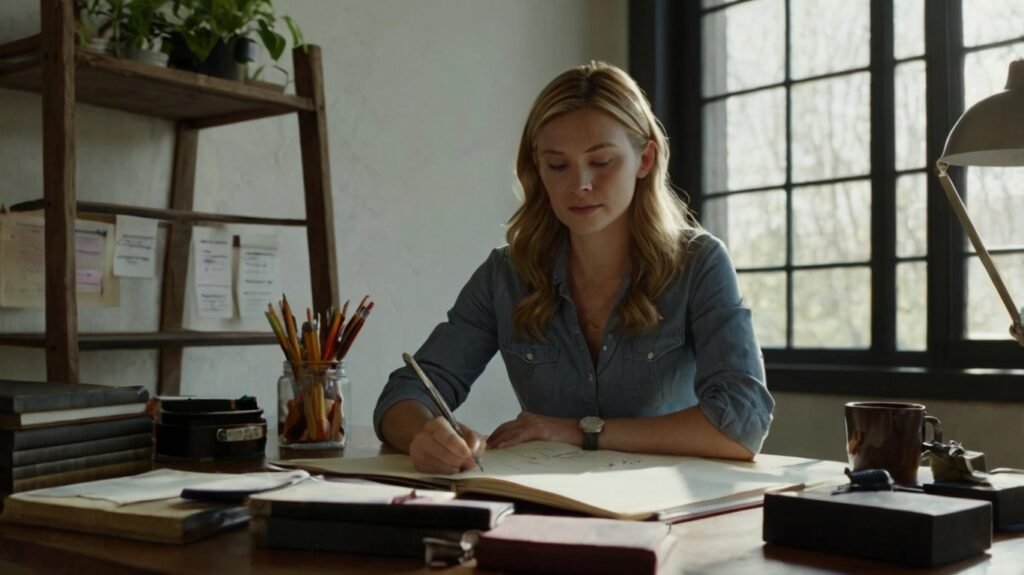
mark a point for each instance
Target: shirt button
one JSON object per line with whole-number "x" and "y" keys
{"x": 650, "y": 355}
{"x": 529, "y": 357}
{"x": 604, "y": 348}
{"x": 590, "y": 377}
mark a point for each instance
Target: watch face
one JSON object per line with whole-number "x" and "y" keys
{"x": 591, "y": 424}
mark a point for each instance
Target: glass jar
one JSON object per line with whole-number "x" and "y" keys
{"x": 311, "y": 405}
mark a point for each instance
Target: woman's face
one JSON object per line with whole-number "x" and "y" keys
{"x": 589, "y": 169}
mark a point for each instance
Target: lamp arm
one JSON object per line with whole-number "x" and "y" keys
{"x": 1017, "y": 330}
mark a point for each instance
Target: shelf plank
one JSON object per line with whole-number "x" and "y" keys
{"x": 122, "y": 84}
{"x": 146, "y": 340}
{"x": 165, "y": 214}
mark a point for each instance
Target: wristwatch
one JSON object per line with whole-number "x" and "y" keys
{"x": 591, "y": 426}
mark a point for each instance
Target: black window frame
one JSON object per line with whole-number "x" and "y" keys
{"x": 665, "y": 48}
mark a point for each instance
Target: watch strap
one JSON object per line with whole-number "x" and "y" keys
{"x": 590, "y": 441}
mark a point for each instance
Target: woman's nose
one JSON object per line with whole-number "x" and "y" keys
{"x": 583, "y": 182}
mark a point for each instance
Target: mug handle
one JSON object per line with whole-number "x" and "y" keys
{"x": 936, "y": 428}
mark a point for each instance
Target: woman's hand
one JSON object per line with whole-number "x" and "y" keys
{"x": 529, "y": 427}
{"x": 438, "y": 449}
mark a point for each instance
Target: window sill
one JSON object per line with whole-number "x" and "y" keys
{"x": 1001, "y": 385}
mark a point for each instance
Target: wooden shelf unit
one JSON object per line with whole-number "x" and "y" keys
{"x": 53, "y": 65}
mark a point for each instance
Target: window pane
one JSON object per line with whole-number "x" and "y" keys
{"x": 765, "y": 293}
{"x": 745, "y": 141}
{"x": 985, "y": 71}
{"x": 987, "y": 317}
{"x": 911, "y": 216}
{"x": 995, "y": 202}
{"x": 744, "y": 47}
{"x": 992, "y": 20}
{"x": 910, "y": 116}
{"x": 752, "y": 225}
{"x": 832, "y": 223}
{"x": 911, "y": 306}
{"x": 832, "y": 128}
{"x": 832, "y": 308}
{"x": 908, "y": 24}
{"x": 829, "y": 36}
{"x": 713, "y": 3}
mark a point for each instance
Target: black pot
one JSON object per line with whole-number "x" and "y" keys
{"x": 220, "y": 62}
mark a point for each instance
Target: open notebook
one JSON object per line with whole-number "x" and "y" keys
{"x": 604, "y": 483}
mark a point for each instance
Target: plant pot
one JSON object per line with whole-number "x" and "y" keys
{"x": 101, "y": 45}
{"x": 151, "y": 57}
{"x": 220, "y": 63}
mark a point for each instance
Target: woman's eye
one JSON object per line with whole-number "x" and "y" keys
{"x": 602, "y": 163}
{"x": 556, "y": 167}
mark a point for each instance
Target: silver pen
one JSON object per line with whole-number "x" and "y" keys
{"x": 438, "y": 400}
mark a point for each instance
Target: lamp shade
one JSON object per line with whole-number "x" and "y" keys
{"x": 991, "y": 132}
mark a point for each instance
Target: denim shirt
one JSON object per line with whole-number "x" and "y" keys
{"x": 703, "y": 352}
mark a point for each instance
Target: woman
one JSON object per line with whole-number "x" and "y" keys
{"x": 618, "y": 318}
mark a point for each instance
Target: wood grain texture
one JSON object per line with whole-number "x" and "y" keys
{"x": 58, "y": 77}
{"x": 164, "y": 214}
{"x": 316, "y": 178}
{"x": 147, "y": 340}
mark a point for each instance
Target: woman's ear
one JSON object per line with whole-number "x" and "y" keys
{"x": 647, "y": 156}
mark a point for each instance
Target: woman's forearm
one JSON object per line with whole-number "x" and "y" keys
{"x": 686, "y": 432}
{"x": 403, "y": 421}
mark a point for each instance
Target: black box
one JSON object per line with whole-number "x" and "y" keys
{"x": 912, "y": 528}
{"x": 209, "y": 429}
{"x": 1006, "y": 494}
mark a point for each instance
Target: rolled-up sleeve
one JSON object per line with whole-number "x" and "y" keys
{"x": 730, "y": 380}
{"x": 456, "y": 352}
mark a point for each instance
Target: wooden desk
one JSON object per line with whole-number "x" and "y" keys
{"x": 729, "y": 543}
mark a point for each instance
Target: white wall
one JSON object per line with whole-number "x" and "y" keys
{"x": 425, "y": 104}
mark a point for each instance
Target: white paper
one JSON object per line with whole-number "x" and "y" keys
{"x": 164, "y": 484}
{"x": 135, "y": 247}
{"x": 23, "y": 258}
{"x": 211, "y": 278}
{"x": 259, "y": 276}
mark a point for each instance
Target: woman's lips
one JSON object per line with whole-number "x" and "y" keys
{"x": 583, "y": 210}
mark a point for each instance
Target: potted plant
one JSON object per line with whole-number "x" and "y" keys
{"x": 215, "y": 37}
{"x": 124, "y": 28}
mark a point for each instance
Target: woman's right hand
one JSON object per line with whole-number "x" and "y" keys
{"x": 438, "y": 449}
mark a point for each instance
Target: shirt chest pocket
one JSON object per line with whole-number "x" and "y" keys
{"x": 532, "y": 371}
{"x": 651, "y": 363}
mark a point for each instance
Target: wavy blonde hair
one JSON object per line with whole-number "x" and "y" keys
{"x": 660, "y": 223}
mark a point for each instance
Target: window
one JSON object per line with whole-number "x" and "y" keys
{"x": 820, "y": 122}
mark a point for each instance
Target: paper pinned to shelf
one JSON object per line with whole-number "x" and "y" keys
{"x": 259, "y": 276}
{"x": 211, "y": 277}
{"x": 135, "y": 247}
{"x": 23, "y": 262}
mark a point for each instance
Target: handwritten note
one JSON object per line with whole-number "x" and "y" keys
{"x": 259, "y": 277}
{"x": 211, "y": 255}
{"x": 135, "y": 247}
{"x": 23, "y": 258}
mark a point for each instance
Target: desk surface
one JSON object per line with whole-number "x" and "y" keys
{"x": 728, "y": 543}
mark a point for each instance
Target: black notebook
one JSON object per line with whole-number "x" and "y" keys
{"x": 26, "y": 404}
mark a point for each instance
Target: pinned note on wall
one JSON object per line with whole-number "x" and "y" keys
{"x": 211, "y": 277}
{"x": 135, "y": 247}
{"x": 259, "y": 276}
{"x": 23, "y": 262}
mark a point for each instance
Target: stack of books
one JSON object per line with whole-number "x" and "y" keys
{"x": 366, "y": 518}
{"x": 58, "y": 433}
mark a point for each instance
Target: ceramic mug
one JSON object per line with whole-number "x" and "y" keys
{"x": 890, "y": 436}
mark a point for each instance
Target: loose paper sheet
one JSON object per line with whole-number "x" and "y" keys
{"x": 135, "y": 247}
{"x": 211, "y": 277}
{"x": 23, "y": 259}
{"x": 259, "y": 276}
{"x": 608, "y": 483}
{"x": 166, "y": 484}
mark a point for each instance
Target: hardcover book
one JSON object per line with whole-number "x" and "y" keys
{"x": 912, "y": 528}
{"x": 73, "y": 464}
{"x": 25, "y": 439}
{"x": 79, "y": 475}
{"x": 23, "y": 457}
{"x": 20, "y": 397}
{"x": 346, "y": 537}
{"x": 551, "y": 544}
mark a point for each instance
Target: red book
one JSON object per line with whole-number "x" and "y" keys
{"x": 553, "y": 544}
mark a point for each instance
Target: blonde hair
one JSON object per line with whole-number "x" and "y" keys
{"x": 659, "y": 221}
